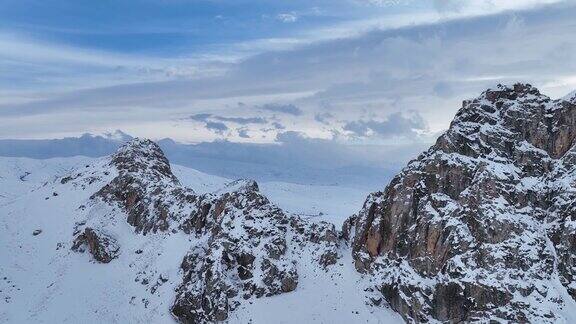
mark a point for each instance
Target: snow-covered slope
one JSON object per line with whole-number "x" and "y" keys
{"x": 21, "y": 175}
{"x": 43, "y": 280}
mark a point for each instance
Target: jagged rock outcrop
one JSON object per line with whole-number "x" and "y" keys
{"x": 251, "y": 249}
{"x": 480, "y": 226}
{"x": 242, "y": 246}
{"x": 246, "y": 254}
{"x": 104, "y": 248}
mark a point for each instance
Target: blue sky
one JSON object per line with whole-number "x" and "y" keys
{"x": 350, "y": 71}
{"x": 177, "y": 28}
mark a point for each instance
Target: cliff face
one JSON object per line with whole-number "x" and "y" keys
{"x": 481, "y": 225}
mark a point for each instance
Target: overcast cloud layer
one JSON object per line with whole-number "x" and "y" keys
{"x": 348, "y": 71}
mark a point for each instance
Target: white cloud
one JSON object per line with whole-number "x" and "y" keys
{"x": 488, "y": 6}
{"x": 45, "y": 66}
{"x": 287, "y": 17}
{"x": 395, "y": 125}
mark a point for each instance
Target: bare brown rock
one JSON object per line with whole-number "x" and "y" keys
{"x": 102, "y": 247}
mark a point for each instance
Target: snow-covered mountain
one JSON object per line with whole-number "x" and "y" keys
{"x": 478, "y": 228}
{"x": 481, "y": 226}
{"x": 121, "y": 239}
{"x": 21, "y": 175}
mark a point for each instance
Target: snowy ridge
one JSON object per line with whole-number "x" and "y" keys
{"x": 166, "y": 251}
{"x": 242, "y": 245}
{"x": 134, "y": 272}
{"x": 479, "y": 227}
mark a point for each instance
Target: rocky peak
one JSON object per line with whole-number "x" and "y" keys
{"x": 241, "y": 185}
{"x": 503, "y": 118}
{"x": 252, "y": 251}
{"x": 480, "y": 221}
{"x": 145, "y": 188}
{"x": 142, "y": 156}
{"x": 571, "y": 97}
{"x": 518, "y": 91}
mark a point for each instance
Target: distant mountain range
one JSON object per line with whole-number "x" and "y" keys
{"x": 302, "y": 160}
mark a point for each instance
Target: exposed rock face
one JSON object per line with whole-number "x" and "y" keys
{"x": 145, "y": 188}
{"x": 245, "y": 254}
{"x": 481, "y": 225}
{"x": 103, "y": 247}
{"x": 242, "y": 246}
{"x": 251, "y": 249}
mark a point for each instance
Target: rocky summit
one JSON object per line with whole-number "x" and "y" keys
{"x": 481, "y": 226}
